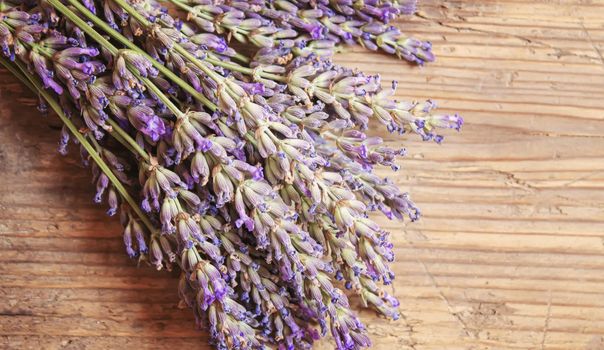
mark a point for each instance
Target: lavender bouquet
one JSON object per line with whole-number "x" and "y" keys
{"x": 250, "y": 173}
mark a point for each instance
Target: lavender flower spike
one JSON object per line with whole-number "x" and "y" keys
{"x": 254, "y": 180}
{"x": 143, "y": 118}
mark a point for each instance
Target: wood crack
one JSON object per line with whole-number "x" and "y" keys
{"x": 511, "y": 177}
{"x": 459, "y": 319}
{"x": 591, "y": 43}
{"x": 547, "y": 318}
{"x": 553, "y": 134}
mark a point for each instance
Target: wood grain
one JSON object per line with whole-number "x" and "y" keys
{"x": 509, "y": 253}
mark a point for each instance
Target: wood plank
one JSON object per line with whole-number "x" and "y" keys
{"x": 508, "y": 254}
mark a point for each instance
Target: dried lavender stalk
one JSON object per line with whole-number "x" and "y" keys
{"x": 133, "y": 228}
{"x": 371, "y": 9}
{"x": 305, "y": 28}
{"x": 387, "y": 277}
{"x": 255, "y": 180}
{"x": 397, "y": 116}
{"x": 371, "y": 34}
{"x": 261, "y": 231}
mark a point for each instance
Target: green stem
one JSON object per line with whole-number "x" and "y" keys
{"x": 165, "y": 99}
{"x": 205, "y": 16}
{"x": 43, "y": 50}
{"x": 140, "y": 18}
{"x": 101, "y": 40}
{"x": 112, "y": 49}
{"x": 241, "y": 58}
{"x": 123, "y": 137}
{"x": 218, "y": 62}
{"x": 190, "y": 57}
{"x": 35, "y": 86}
{"x": 126, "y": 139}
{"x": 245, "y": 70}
{"x": 95, "y": 144}
{"x": 33, "y": 46}
{"x": 127, "y": 43}
{"x": 229, "y": 65}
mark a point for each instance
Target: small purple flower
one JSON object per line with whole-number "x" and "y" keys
{"x": 315, "y": 30}
{"x": 139, "y": 62}
{"x": 101, "y": 185}
{"x": 210, "y": 41}
{"x": 247, "y": 221}
{"x": 64, "y": 140}
{"x": 406, "y": 7}
{"x": 89, "y": 4}
{"x": 258, "y": 174}
{"x": 253, "y": 88}
{"x": 128, "y": 231}
{"x": 112, "y": 201}
{"x": 143, "y": 118}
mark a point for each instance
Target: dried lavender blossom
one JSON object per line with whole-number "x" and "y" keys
{"x": 255, "y": 180}
{"x": 310, "y": 27}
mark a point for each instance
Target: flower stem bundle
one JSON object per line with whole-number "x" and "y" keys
{"x": 250, "y": 173}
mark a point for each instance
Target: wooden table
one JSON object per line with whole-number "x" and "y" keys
{"x": 510, "y": 250}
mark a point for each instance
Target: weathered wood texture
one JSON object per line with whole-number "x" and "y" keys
{"x": 509, "y": 253}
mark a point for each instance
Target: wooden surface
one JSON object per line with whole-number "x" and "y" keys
{"x": 509, "y": 253}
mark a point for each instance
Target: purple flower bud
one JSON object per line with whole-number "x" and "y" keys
{"x": 211, "y": 41}
{"x": 253, "y": 88}
{"x": 101, "y": 185}
{"x": 89, "y": 4}
{"x": 128, "y": 241}
{"x": 143, "y": 118}
{"x": 248, "y": 222}
{"x": 112, "y": 201}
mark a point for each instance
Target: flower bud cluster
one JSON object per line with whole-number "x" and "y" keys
{"x": 255, "y": 180}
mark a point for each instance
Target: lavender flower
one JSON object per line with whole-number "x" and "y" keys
{"x": 143, "y": 118}
{"x": 372, "y": 9}
{"x": 304, "y": 27}
{"x": 255, "y": 180}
